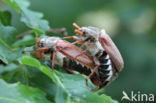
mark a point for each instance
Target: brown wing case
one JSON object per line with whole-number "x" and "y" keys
{"x": 112, "y": 50}
{"x": 72, "y": 51}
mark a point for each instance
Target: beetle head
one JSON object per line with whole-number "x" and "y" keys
{"x": 48, "y": 42}
{"x": 90, "y": 32}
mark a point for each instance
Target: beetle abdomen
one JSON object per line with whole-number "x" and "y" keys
{"x": 106, "y": 70}
{"x": 78, "y": 67}
{"x": 73, "y": 65}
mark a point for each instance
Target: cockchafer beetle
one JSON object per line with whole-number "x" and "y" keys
{"x": 102, "y": 49}
{"x": 64, "y": 54}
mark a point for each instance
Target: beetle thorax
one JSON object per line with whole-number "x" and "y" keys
{"x": 91, "y": 35}
{"x": 91, "y": 32}
{"x": 97, "y": 48}
{"x": 49, "y": 42}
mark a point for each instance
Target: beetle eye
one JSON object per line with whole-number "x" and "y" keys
{"x": 84, "y": 33}
{"x": 41, "y": 43}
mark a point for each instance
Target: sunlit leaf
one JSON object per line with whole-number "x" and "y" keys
{"x": 71, "y": 87}
{"x": 18, "y": 93}
{"x": 13, "y": 4}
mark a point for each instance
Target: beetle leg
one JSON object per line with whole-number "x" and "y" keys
{"x": 94, "y": 70}
{"x": 42, "y": 49}
{"x": 82, "y": 45}
{"x": 76, "y": 42}
{"x": 27, "y": 51}
{"x": 53, "y": 60}
{"x": 69, "y": 71}
{"x": 38, "y": 54}
{"x": 71, "y": 37}
{"x": 90, "y": 45}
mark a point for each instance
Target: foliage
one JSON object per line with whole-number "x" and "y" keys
{"x": 25, "y": 79}
{"x": 67, "y": 92}
{"x": 19, "y": 93}
{"x": 30, "y": 18}
{"x": 130, "y": 23}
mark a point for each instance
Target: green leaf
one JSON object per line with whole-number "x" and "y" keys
{"x": 18, "y": 93}
{"x": 28, "y": 40}
{"x": 31, "y": 62}
{"x": 7, "y": 35}
{"x": 76, "y": 87}
{"x": 3, "y": 59}
{"x": 9, "y": 72}
{"x": 13, "y": 4}
{"x": 10, "y": 55}
{"x": 71, "y": 87}
{"x": 31, "y": 18}
{"x": 5, "y": 17}
{"x": 4, "y": 53}
{"x": 7, "y": 68}
{"x": 35, "y": 63}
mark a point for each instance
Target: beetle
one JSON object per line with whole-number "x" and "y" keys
{"x": 64, "y": 54}
{"x": 103, "y": 50}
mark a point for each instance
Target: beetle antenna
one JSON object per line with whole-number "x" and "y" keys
{"x": 76, "y": 26}
{"x": 78, "y": 32}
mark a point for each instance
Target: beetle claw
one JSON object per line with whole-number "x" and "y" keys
{"x": 87, "y": 81}
{"x": 92, "y": 89}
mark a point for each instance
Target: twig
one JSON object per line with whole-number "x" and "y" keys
{"x": 55, "y": 31}
{"x": 59, "y": 31}
{"x": 24, "y": 33}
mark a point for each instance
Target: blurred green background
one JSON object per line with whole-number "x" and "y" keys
{"x": 130, "y": 23}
